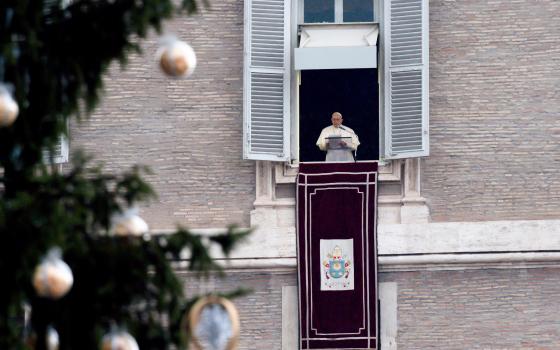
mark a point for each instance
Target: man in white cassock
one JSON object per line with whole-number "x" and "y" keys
{"x": 338, "y": 150}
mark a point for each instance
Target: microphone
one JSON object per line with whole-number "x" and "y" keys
{"x": 340, "y": 127}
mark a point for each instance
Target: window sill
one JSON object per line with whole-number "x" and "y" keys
{"x": 285, "y": 173}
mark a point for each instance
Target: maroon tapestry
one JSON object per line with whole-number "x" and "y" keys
{"x": 337, "y": 255}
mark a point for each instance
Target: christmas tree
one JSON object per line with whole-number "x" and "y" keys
{"x": 111, "y": 272}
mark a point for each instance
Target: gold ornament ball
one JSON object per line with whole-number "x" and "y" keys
{"x": 119, "y": 341}
{"x": 52, "y": 279}
{"x": 8, "y": 109}
{"x": 193, "y": 320}
{"x": 177, "y": 59}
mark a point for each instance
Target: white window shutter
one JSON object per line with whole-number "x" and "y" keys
{"x": 266, "y": 90}
{"x": 405, "y": 88}
{"x": 59, "y": 153}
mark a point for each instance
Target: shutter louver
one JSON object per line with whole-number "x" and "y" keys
{"x": 406, "y": 78}
{"x": 267, "y": 80}
{"x": 59, "y": 153}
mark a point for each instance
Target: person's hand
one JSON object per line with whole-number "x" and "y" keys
{"x": 343, "y": 144}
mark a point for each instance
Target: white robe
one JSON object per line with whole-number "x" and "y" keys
{"x": 340, "y": 155}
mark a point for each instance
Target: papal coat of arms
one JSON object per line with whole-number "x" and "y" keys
{"x": 337, "y": 270}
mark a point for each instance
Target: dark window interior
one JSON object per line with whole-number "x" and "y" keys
{"x": 318, "y": 11}
{"x": 352, "y": 92}
{"x": 357, "y": 11}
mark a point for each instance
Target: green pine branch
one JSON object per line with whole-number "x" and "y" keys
{"x": 55, "y": 59}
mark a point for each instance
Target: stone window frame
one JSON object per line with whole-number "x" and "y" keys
{"x": 408, "y": 207}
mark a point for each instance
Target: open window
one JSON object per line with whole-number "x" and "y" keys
{"x": 285, "y": 42}
{"x": 59, "y": 152}
{"x": 351, "y": 92}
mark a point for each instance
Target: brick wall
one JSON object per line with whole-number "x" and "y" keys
{"x": 494, "y": 105}
{"x": 188, "y": 131}
{"x": 260, "y": 311}
{"x": 493, "y": 309}
{"x": 478, "y": 309}
{"x": 494, "y": 110}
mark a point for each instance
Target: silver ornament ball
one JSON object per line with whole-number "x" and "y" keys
{"x": 119, "y": 340}
{"x": 52, "y": 277}
{"x": 177, "y": 58}
{"x": 129, "y": 223}
{"x": 9, "y": 108}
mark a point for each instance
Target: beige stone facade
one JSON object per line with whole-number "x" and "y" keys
{"x": 494, "y": 117}
{"x": 494, "y": 155}
{"x": 494, "y": 111}
{"x": 465, "y": 309}
{"x": 188, "y": 131}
